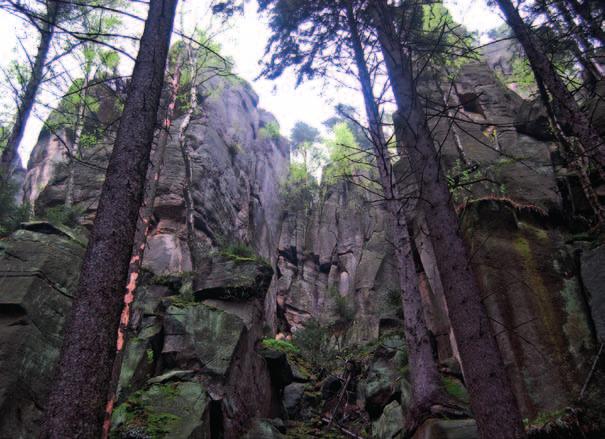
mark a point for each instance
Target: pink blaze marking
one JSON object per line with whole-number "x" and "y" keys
{"x": 107, "y": 421}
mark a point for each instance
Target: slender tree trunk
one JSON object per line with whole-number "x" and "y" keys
{"x": 564, "y": 103}
{"x": 492, "y": 399}
{"x": 582, "y": 49}
{"x": 143, "y": 228}
{"x": 186, "y": 154}
{"x": 9, "y": 161}
{"x": 594, "y": 27}
{"x": 424, "y": 374}
{"x": 76, "y": 403}
{"x": 75, "y": 149}
{"x": 576, "y": 156}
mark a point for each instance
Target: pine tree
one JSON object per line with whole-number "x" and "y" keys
{"x": 77, "y": 399}
{"x": 566, "y": 109}
{"x": 10, "y": 160}
{"x": 492, "y": 400}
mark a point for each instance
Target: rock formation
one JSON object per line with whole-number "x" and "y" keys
{"x": 196, "y": 365}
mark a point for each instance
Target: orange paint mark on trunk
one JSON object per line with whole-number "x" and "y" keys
{"x": 107, "y": 420}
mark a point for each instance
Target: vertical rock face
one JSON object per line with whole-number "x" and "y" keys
{"x": 191, "y": 362}
{"x": 38, "y": 273}
{"x": 335, "y": 264}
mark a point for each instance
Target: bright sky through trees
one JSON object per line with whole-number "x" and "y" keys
{"x": 244, "y": 41}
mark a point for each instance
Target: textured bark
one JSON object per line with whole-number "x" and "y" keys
{"x": 582, "y": 48}
{"x": 424, "y": 374}
{"x": 578, "y": 157}
{"x": 9, "y": 161}
{"x": 594, "y": 26}
{"x": 186, "y": 154}
{"x": 75, "y": 150}
{"x": 76, "y": 403}
{"x": 565, "y": 106}
{"x": 492, "y": 399}
{"x": 143, "y": 228}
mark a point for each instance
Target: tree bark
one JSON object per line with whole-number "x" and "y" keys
{"x": 492, "y": 399}
{"x": 424, "y": 374}
{"x": 192, "y": 243}
{"x": 76, "y": 403}
{"x": 9, "y": 161}
{"x": 594, "y": 27}
{"x": 582, "y": 48}
{"x": 143, "y": 228}
{"x": 565, "y": 106}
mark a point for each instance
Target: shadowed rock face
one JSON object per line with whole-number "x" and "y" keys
{"x": 38, "y": 274}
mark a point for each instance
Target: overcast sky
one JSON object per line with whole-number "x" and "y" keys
{"x": 245, "y": 41}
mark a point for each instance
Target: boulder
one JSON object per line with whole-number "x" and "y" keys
{"x": 198, "y": 335}
{"x": 263, "y": 429}
{"x": 232, "y": 278}
{"x": 38, "y": 275}
{"x": 164, "y": 410}
{"x": 390, "y": 423}
{"x": 293, "y": 395}
{"x": 385, "y": 373}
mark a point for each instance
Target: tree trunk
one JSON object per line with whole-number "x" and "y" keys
{"x": 76, "y": 403}
{"x": 594, "y": 27}
{"x": 75, "y": 148}
{"x": 565, "y": 106}
{"x": 581, "y": 47}
{"x": 576, "y": 156}
{"x": 186, "y": 154}
{"x": 143, "y": 228}
{"x": 492, "y": 399}
{"x": 9, "y": 161}
{"x": 424, "y": 374}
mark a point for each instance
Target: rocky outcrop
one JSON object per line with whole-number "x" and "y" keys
{"x": 191, "y": 365}
{"x": 191, "y": 361}
{"x": 38, "y": 273}
{"x": 335, "y": 266}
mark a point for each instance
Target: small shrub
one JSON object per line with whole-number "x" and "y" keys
{"x": 238, "y": 251}
{"x": 280, "y": 345}
{"x": 455, "y": 388}
{"x": 344, "y": 309}
{"x": 61, "y": 215}
{"x": 314, "y": 344}
{"x": 270, "y": 131}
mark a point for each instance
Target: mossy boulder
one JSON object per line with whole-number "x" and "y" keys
{"x": 201, "y": 335}
{"x": 38, "y": 274}
{"x": 232, "y": 278}
{"x": 385, "y": 373}
{"x": 174, "y": 410}
{"x": 390, "y": 423}
{"x": 263, "y": 429}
